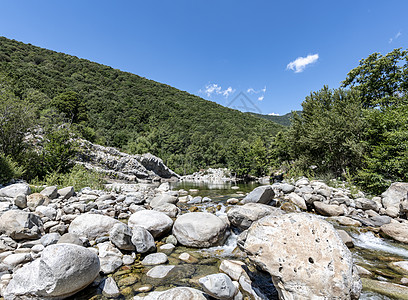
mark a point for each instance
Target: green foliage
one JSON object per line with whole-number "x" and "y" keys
{"x": 380, "y": 79}
{"x": 71, "y": 105}
{"x": 130, "y": 112}
{"x": 327, "y": 134}
{"x": 9, "y": 169}
{"x": 284, "y": 120}
{"x": 16, "y": 119}
{"x": 387, "y": 137}
{"x": 58, "y": 151}
{"x": 78, "y": 177}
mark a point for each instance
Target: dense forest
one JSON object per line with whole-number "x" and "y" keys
{"x": 358, "y": 132}
{"x": 119, "y": 109}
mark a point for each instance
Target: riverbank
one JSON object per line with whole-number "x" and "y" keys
{"x": 138, "y": 232}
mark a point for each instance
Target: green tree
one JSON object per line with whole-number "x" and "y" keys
{"x": 327, "y": 134}
{"x": 70, "y": 104}
{"x": 381, "y": 80}
{"x": 16, "y": 121}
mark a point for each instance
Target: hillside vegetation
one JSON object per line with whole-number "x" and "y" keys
{"x": 284, "y": 120}
{"x": 358, "y": 132}
{"x": 126, "y": 111}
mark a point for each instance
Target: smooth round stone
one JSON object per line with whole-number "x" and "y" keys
{"x": 155, "y": 259}
{"x": 128, "y": 260}
{"x": 159, "y": 271}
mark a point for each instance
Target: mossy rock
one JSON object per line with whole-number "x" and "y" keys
{"x": 385, "y": 288}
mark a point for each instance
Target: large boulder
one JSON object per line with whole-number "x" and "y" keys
{"x": 393, "y": 197}
{"x": 261, "y": 194}
{"x": 200, "y": 229}
{"x": 92, "y": 226}
{"x": 397, "y": 231}
{"x": 20, "y": 225}
{"x": 61, "y": 271}
{"x": 243, "y": 216}
{"x": 304, "y": 256}
{"x": 157, "y": 223}
{"x": 13, "y": 190}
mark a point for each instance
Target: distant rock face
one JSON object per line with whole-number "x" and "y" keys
{"x": 112, "y": 162}
{"x": 304, "y": 256}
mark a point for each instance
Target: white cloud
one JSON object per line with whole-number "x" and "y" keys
{"x": 300, "y": 63}
{"x": 273, "y": 114}
{"x": 227, "y": 92}
{"x": 215, "y": 89}
{"x": 261, "y": 98}
{"x": 395, "y": 37}
{"x": 252, "y": 91}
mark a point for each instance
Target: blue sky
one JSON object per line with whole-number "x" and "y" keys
{"x": 276, "y": 53}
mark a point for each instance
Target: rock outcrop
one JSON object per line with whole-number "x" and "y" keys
{"x": 112, "y": 162}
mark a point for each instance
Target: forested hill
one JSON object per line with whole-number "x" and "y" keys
{"x": 135, "y": 114}
{"x": 283, "y": 120}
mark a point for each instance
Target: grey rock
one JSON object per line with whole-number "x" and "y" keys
{"x": 244, "y": 215}
{"x": 199, "y": 229}
{"x": 66, "y": 192}
{"x": 92, "y": 226}
{"x": 121, "y": 236}
{"x": 16, "y": 259}
{"x": 346, "y": 238}
{"x": 159, "y": 271}
{"x": 46, "y": 211}
{"x": 177, "y": 293}
{"x": 219, "y": 286}
{"x": 287, "y": 188}
{"x": 13, "y": 190}
{"x": 155, "y": 259}
{"x": 261, "y": 194}
{"x": 142, "y": 240}
{"x": 61, "y": 271}
{"x": 157, "y": 223}
{"x": 169, "y": 209}
{"x": 21, "y": 201}
{"x": 21, "y": 225}
{"x": 328, "y": 209}
{"x": 394, "y": 196}
{"x": 50, "y": 191}
{"x": 366, "y": 204}
{"x": 110, "y": 258}
{"x": 50, "y": 239}
{"x": 109, "y": 288}
{"x": 70, "y": 238}
{"x": 163, "y": 199}
{"x": 297, "y": 200}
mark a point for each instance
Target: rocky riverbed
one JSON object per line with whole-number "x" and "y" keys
{"x": 298, "y": 240}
